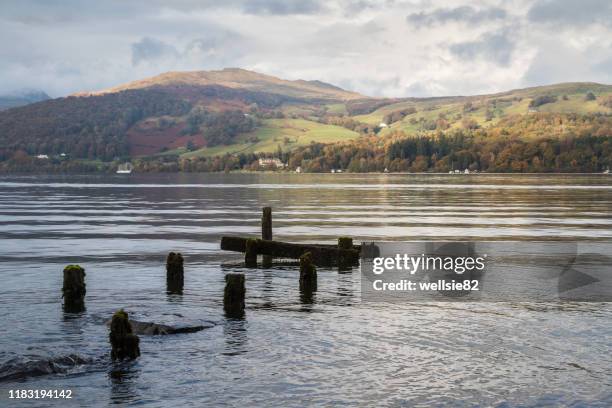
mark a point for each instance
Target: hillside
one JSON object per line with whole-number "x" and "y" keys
{"x": 198, "y": 115}
{"x": 430, "y": 114}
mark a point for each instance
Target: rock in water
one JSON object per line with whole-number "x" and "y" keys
{"x": 124, "y": 343}
{"x": 21, "y": 367}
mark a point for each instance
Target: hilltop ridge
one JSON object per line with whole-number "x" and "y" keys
{"x": 237, "y": 78}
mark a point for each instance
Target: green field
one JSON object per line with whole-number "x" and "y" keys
{"x": 288, "y": 133}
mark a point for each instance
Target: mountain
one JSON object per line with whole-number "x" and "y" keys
{"x": 240, "y": 79}
{"x": 21, "y": 98}
{"x": 192, "y": 115}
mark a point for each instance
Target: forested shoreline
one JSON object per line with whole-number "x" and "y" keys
{"x": 542, "y": 142}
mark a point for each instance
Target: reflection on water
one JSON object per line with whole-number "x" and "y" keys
{"x": 235, "y": 333}
{"x": 123, "y": 378}
{"x": 294, "y": 347}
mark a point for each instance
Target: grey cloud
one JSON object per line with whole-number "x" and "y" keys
{"x": 218, "y": 47}
{"x": 556, "y": 63}
{"x": 496, "y": 47}
{"x": 418, "y": 89}
{"x": 371, "y": 86}
{"x": 75, "y": 11}
{"x": 465, "y": 14}
{"x": 72, "y": 45}
{"x": 342, "y": 39}
{"x": 282, "y": 7}
{"x": 604, "y": 67}
{"x": 572, "y": 12}
{"x": 150, "y": 49}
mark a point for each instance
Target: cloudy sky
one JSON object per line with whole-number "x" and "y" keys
{"x": 379, "y": 48}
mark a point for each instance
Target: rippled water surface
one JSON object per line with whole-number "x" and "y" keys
{"x": 290, "y": 350}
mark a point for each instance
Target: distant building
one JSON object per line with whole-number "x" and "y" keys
{"x": 42, "y": 156}
{"x": 383, "y": 125}
{"x": 274, "y": 163}
{"x": 466, "y": 171}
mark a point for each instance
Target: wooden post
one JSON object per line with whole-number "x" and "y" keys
{"x": 124, "y": 343}
{"x": 308, "y": 273}
{"x": 233, "y": 295}
{"x": 345, "y": 243}
{"x": 250, "y": 253}
{"x": 266, "y": 233}
{"x": 174, "y": 273}
{"x": 343, "y": 261}
{"x": 73, "y": 290}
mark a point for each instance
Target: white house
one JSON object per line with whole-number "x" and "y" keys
{"x": 42, "y": 156}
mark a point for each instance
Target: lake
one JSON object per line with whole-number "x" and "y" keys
{"x": 331, "y": 349}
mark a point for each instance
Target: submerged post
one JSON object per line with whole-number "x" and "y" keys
{"x": 266, "y": 232}
{"x": 73, "y": 290}
{"x": 174, "y": 273}
{"x": 124, "y": 343}
{"x": 250, "y": 253}
{"x": 308, "y": 273}
{"x": 233, "y": 295}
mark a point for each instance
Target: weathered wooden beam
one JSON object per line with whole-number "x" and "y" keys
{"x": 322, "y": 255}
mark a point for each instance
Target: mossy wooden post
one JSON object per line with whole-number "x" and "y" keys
{"x": 124, "y": 343}
{"x": 174, "y": 273}
{"x": 250, "y": 253}
{"x": 308, "y": 273}
{"x": 344, "y": 243}
{"x": 233, "y": 296}
{"x": 266, "y": 233}
{"x": 73, "y": 290}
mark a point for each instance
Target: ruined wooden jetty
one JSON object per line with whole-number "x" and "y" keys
{"x": 322, "y": 255}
